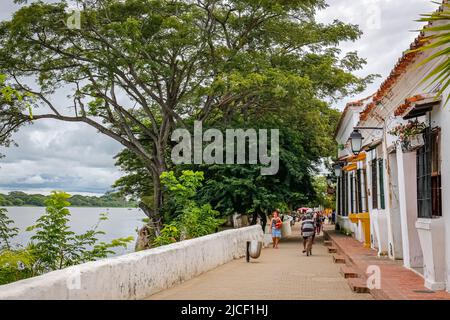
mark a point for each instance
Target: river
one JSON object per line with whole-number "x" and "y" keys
{"x": 122, "y": 222}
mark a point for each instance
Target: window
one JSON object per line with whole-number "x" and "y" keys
{"x": 359, "y": 186}
{"x": 381, "y": 176}
{"x": 364, "y": 190}
{"x": 352, "y": 193}
{"x": 423, "y": 167}
{"x": 345, "y": 194}
{"x": 429, "y": 188}
{"x": 436, "y": 187}
{"x": 374, "y": 184}
{"x": 338, "y": 196}
{"x": 361, "y": 190}
{"x": 355, "y": 191}
{"x": 378, "y": 198}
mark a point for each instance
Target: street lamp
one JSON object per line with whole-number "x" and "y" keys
{"x": 356, "y": 140}
{"x": 337, "y": 170}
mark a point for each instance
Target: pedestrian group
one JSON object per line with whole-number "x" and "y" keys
{"x": 310, "y": 225}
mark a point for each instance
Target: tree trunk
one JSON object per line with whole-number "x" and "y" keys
{"x": 155, "y": 225}
{"x": 263, "y": 220}
{"x": 254, "y": 218}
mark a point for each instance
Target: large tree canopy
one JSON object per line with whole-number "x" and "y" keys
{"x": 137, "y": 69}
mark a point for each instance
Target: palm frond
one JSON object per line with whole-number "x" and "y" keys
{"x": 439, "y": 40}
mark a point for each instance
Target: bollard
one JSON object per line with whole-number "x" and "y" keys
{"x": 254, "y": 248}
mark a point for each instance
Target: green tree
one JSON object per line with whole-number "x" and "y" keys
{"x": 190, "y": 218}
{"x": 321, "y": 198}
{"x": 7, "y": 232}
{"x": 137, "y": 69}
{"x": 57, "y": 247}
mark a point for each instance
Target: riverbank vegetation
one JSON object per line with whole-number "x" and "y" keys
{"x": 53, "y": 246}
{"x": 109, "y": 200}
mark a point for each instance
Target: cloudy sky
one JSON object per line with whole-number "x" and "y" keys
{"x": 75, "y": 158}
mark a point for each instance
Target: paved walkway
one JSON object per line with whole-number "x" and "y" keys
{"x": 285, "y": 274}
{"x": 397, "y": 282}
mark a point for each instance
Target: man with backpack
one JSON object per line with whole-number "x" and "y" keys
{"x": 308, "y": 231}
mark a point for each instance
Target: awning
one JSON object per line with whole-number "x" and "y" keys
{"x": 356, "y": 158}
{"x": 350, "y": 167}
{"x": 417, "y": 106}
{"x": 421, "y": 109}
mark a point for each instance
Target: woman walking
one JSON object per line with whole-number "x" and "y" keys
{"x": 275, "y": 228}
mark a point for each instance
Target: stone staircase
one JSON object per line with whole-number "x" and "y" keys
{"x": 355, "y": 280}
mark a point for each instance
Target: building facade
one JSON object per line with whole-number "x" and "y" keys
{"x": 394, "y": 195}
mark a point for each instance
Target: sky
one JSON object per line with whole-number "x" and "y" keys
{"x": 75, "y": 158}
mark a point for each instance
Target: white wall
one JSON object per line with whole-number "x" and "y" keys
{"x": 412, "y": 251}
{"x": 395, "y": 246}
{"x": 137, "y": 275}
{"x": 443, "y": 116}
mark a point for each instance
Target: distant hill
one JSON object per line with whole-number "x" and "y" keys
{"x": 110, "y": 199}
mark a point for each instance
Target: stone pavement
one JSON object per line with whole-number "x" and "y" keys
{"x": 285, "y": 274}
{"x": 397, "y": 282}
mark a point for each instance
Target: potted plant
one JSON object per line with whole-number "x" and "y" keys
{"x": 410, "y": 135}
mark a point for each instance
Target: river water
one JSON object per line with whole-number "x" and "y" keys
{"x": 122, "y": 222}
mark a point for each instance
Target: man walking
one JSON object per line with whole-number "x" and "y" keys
{"x": 308, "y": 231}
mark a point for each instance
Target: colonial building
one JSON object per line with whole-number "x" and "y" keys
{"x": 393, "y": 193}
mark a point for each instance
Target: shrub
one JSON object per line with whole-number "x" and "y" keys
{"x": 16, "y": 265}
{"x": 192, "y": 219}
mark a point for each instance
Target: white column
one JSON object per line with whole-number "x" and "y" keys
{"x": 407, "y": 187}
{"x": 395, "y": 249}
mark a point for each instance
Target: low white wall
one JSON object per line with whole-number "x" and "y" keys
{"x": 346, "y": 224}
{"x": 137, "y": 275}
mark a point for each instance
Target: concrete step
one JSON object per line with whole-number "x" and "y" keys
{"x": 332, "y": 250}
{"x": 358, "y": 285}
{"x": 327, "y": 243}
{"x": 338, "y": 259}
{"x": 349, "y": 272}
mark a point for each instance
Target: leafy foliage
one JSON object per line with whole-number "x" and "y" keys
{"x": 57, "y": 247}
{"x": 16, "y": 265}
{"x": 322, "y": 198}
{"x": 6, "y": 231}
{"x": 191, "y": 219}
{"x": 169, "y": 234}
{"x": 438, "y": 42}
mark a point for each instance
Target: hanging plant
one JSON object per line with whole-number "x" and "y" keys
{"x": 410, "y": 135}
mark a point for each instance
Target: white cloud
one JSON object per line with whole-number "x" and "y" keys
{"x": 63, "y": 156}
{"x": 34, "y": 180}
{"x": 382, "y": 43}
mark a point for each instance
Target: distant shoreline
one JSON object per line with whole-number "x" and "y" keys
{"x": 108, "y": 200}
